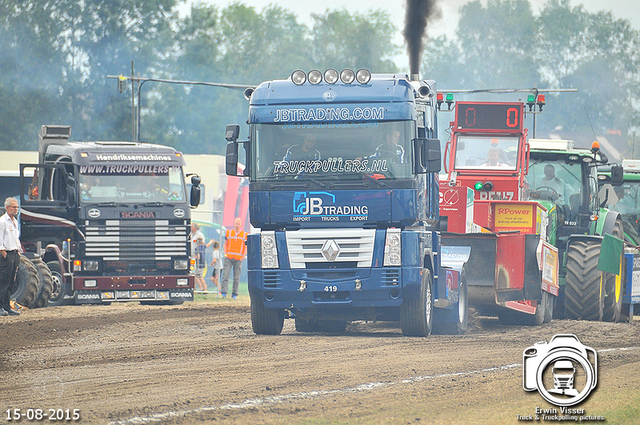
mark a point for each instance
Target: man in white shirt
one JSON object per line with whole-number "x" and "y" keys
{"x": 9, "y": 255}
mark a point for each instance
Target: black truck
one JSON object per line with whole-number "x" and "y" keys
{"x": 110, "y": 219}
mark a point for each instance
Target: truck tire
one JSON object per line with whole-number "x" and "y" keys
{"x": 266, "y": 321}
{"x": 416, "y": 315}
{"x": 614, "y": 286}
{"x": 27, "y": 283}
{"x": 59, "y": 287}
{"x": 454, "y": 322}
{"x": 46, "y": 283}
{"x": 583, "y": 297}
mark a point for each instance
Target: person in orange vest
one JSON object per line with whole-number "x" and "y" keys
{"x": 235, "y": 249}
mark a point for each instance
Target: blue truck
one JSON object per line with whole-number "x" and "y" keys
{"x": 343, "y": 187}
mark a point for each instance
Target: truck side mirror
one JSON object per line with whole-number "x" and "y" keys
{"x": 431, "y": 155}
{"x": 232, "y": 159}
{"x": 194, "y": 196}
{"x": 617, "y": 175}
{"x": 232, "y": 132}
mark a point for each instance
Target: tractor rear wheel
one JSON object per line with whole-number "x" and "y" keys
{"x": 584, "y": 295}
{"x": 46, "y": 283}
{"x": 27, "y": 283}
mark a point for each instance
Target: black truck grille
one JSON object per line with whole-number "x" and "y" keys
{"x": 157, "y": 240}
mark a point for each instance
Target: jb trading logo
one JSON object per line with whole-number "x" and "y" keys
{"x": 322, "y": 204}
{"x": 564, "y": 372}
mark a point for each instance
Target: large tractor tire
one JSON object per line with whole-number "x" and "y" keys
{"x": 416, "y": 315}
{"x": 59, "y": 287}
{"x": 456, "y": 321}
{"x": 27, "y": 283}
{"x": 614, "y": 286}
{"x": 584, "y": 292}
{"x": 46, "y": 283}
{"x": 266, "y": 321}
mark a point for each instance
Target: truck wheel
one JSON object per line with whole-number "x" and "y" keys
{"x": 46, "y": 284}
{"x": 583, "y": 295}
{"x": 59, "y": 287}
{"x": 27, "y": 284}
{"x": 266, "y": 321}
{"x": 614, "y": 285}
{"x": 416, "y": 315}
{"x": 454, "y": 322}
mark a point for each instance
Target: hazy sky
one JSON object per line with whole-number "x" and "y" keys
{"x": 622, "y": 9}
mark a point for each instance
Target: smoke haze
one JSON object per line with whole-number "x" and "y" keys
{"x": 418, "y": 14}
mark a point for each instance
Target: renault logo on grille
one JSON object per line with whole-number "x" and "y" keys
{"x": 330, "y": 250}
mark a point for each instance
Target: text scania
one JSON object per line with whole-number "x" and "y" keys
{"x": 329, "y": 114}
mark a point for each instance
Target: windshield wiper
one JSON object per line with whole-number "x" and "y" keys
{"x": 307, "y": 177}
{"x": 111, "y": 204}
{"x": 155, "y": 204}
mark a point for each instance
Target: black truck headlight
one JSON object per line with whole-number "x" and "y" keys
{"x": 269, "y": 250}
{"x": 91, "y": 265}
{"x": 181, "y": 264}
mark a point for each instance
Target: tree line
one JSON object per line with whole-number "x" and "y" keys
{"x": 55, "y": 58}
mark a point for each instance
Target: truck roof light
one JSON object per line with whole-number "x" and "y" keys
{"x": 541, "y": 101}
{"x": 531, "y": 101}
{"x": 347, "y": 76}
{"x": 315, "y": 77}
{"x": 363, "y": 76}
{"x": 331, "y": 76}
{"x": 298, "y": 77}
{"x": 595, "y": 146}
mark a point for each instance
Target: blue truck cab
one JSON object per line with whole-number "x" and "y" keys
{"x": 343, "y": 171}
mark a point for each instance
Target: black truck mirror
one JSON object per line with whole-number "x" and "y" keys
{"x": 232, "y": 159}
{"x": 232, "y": 132}
{"x": 196, "y": 191}
{"x": 617, "y": 175}
{"x": 431, "y": 155}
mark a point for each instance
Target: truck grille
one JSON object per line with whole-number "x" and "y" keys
{"x": 346, "y": 247}
{"x": 136, "y": 240}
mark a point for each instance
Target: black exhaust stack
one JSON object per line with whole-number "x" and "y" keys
{"x": 417, "y": 15}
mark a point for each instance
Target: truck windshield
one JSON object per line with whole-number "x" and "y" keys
{"x": 482, "y": 153}
{"x": 381, "y": 150}
{"x": 131, "y": 184}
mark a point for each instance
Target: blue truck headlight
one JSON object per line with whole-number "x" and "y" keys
{"x": 393, "y": 248}
{"x": 269, "y": 250}
{"x": 181, "y": 264}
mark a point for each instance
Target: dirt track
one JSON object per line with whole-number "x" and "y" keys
{"x": 201, "y": 363}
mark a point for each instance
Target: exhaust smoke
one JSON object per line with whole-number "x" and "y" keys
{"x": 417, "y": 14}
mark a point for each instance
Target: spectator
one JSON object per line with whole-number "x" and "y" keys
{"x": 9, "y": 255}
{"x": 216, "y": 263}
{"x": 235, "y": 251}
{"x": 197, "y": 252}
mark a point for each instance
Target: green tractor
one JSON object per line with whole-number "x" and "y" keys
{"x": 564, "y": 179}
{"x": 624, "y": 198}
